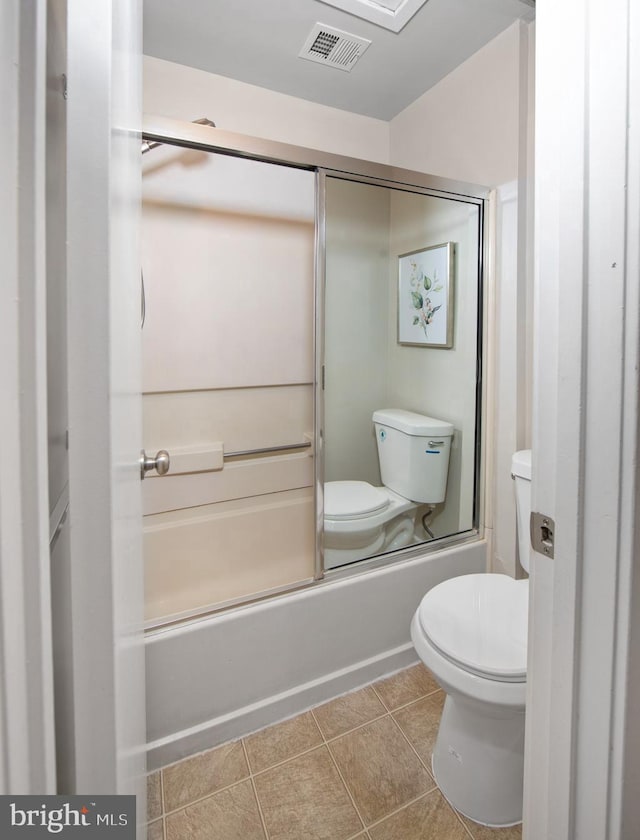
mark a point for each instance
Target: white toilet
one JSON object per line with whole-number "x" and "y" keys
{"x": 471, "y": 632}
{"x": 361, "y": 520}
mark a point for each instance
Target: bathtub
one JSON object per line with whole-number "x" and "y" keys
{"x": 218, "y": 678}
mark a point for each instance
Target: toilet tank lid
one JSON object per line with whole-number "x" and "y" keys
{"x": 412, "y": 423}
{"x": 521, "y": 464}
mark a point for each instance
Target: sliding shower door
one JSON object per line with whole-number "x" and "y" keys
{"x": 402, "y": 330}
{"x": 228, "y": 370}
{"x": 287, "y": 294}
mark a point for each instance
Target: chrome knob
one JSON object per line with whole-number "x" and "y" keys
{"x": 160, "y": 463}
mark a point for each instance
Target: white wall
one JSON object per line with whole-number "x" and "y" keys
{"x": 172, "y": 90}
{"x": 509, "y": 338}
{"x": 467, "y": 126}
{"x": 476, "y": 125}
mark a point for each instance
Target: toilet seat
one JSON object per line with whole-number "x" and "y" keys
{"x": 359, "y": 508}
{"x": 361, "y": 520}
{"x": 479, "y": 623}
{"x": 353, "y": 500}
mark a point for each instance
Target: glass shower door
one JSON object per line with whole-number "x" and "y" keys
{"x": 402, "y": 315}
{"x": 228, "y": 370}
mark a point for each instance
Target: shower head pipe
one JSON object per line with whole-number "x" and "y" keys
{"x": 148, "y": 145}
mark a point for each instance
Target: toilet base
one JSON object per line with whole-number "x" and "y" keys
{"x": 478, "y": 760}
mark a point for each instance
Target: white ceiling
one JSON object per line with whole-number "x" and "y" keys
{"x": 258, "y": 41}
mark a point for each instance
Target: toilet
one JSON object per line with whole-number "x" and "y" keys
{"x": 471, "y": 632}
{"x": 361, "y": 520}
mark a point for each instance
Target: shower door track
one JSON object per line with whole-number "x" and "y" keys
{"x": 210, "y": 139}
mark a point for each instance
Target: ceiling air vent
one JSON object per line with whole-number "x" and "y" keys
{"x": 333, "y": 47}
{"x": 392, "y": 14}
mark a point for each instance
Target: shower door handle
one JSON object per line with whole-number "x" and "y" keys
{"x": 160, "y": 463}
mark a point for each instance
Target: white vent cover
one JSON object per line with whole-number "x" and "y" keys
{"x": 392, "y": 14}
{"x": 333, "y": 47}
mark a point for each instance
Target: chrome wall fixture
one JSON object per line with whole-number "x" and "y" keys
{"x": 147, "y": 145}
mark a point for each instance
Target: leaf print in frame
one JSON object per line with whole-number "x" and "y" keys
{"x": 425, "y": 296}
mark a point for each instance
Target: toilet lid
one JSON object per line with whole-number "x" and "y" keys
{"x": 352, "y": 499}
{"x": 480, "y": 622}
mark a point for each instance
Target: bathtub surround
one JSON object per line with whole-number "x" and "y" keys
{"x": 227, "y": 359}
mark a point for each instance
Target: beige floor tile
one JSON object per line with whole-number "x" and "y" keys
{"x": 231, "y": 814}
{"x": 380, "y": 768}
{"x": 154, "y": 797}
{"x": 420, "y": 722}
{"x": 405, "y": 686}
{"x": 430, "y": 818}
{"x": 483, "y": 832}
{"x": 304, "y": 799}
{"x": 155, "y": 830}
{"x": 282, "y": 741}
{"x": 202, "y": 775}
{"x": 345, "y": 713}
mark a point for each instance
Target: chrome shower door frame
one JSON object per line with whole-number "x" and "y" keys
{"x": 325, "y": 164}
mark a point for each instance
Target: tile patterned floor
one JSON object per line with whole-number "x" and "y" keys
{"x": 356, "y": 768}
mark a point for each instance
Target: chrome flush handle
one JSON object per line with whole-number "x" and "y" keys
{"x": 160, "y": 463}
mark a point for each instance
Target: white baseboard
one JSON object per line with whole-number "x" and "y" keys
{"x": 276, "y": 708}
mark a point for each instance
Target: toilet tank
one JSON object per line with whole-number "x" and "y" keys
{"x": 521, "y": 472}
{"x": 413, "y": 451}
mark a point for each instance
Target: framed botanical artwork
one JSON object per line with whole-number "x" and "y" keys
{"x": 425, "y": 296}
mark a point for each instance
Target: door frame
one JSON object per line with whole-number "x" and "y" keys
{"x": 27, "y": 744}
{"x": 585, "y": 605}
{"x": 101, "y": 669}
{"x": 102, "y": 662}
